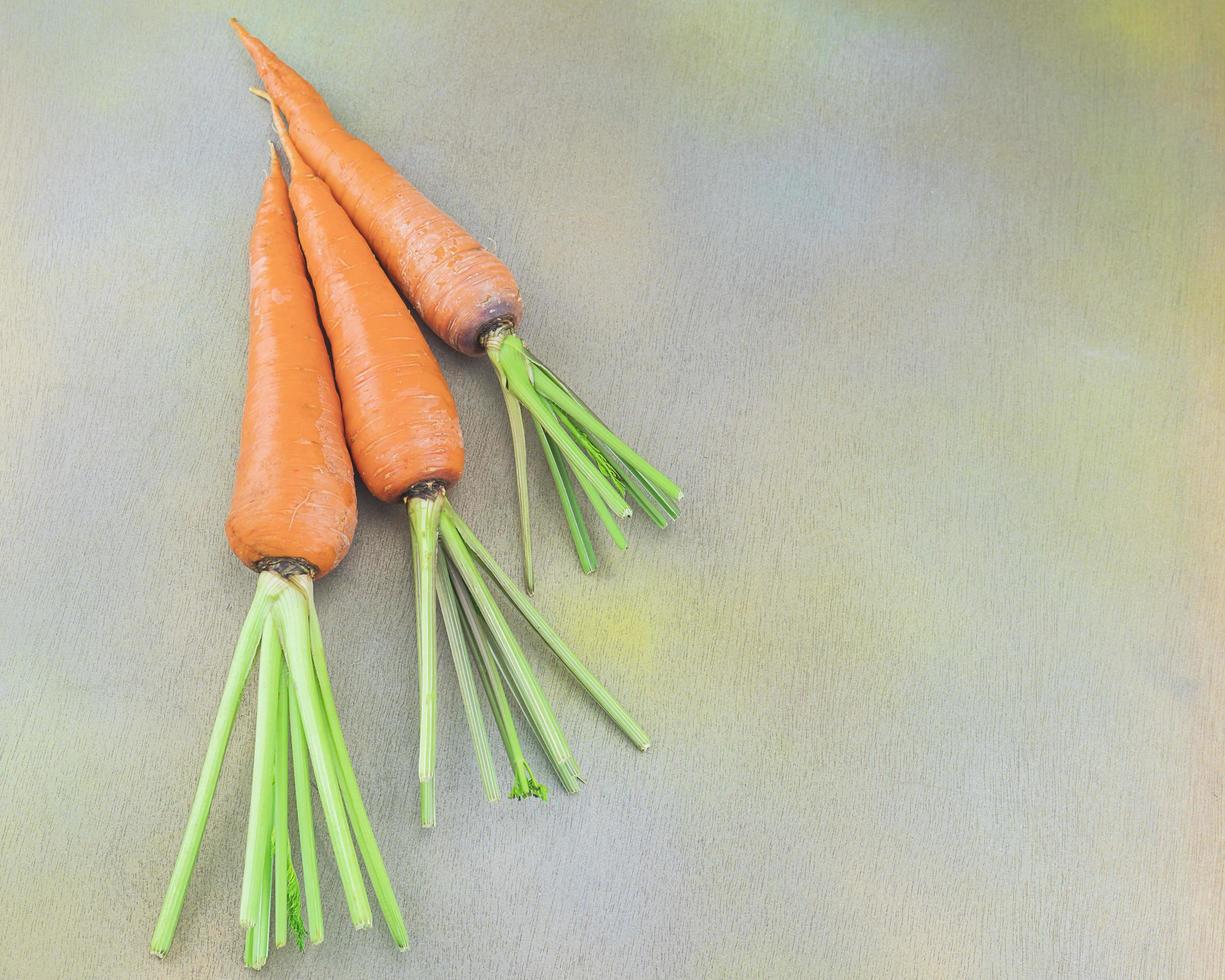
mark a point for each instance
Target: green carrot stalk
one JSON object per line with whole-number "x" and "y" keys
{"x": 293, "y": 615}
{"x": 602, "y": 512}
{"x": 259, "y": 821}
{"x": 535, "y": 705}
{"x": 258, "y": 945}
{"x": 456, "y": 640}
{"x": 657, "y": 507}
{"x": 593, "y": 450}
{"x": 424, "y": 511}
{"x": 477, "y": 627}
{"x": 582, "y": 674}
{"x": 306, "y": 821}
{"x": 295, "y": 717}
{"x": 505, "y": 352}
{"x": 280, "y": 821}
{"x": 366, "y": 842}
{"x": 607, "y": 469}
{"x": 585, "y": 481}
{"x": 553, "y": 390}
{"x": 500, "y": 672}
{"x": 519, "y": 446}
{"x": 266, "y": 590}
{"x": 569, "y": 502}
{"x": 525, "y": 784}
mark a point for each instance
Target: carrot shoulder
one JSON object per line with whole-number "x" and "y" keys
{"x": 460, "y": 289}
{"x": 293, "y": 489}
{"x": 402, "y": 426}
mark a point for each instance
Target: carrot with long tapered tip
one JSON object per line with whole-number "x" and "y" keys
{"x": 292, "y": 518}
{"x": 404, "y": 435}
{"x": 470, "y": 300}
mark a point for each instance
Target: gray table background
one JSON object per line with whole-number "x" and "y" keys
{"x": 923, "y": 306}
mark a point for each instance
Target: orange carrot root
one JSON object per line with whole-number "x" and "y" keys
{"x": 460, "y": 289}
{"x": 293, "y": 488}
{"x": 403, "y": 429}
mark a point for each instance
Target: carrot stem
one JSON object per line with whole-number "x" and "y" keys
{"x": 424, "y": 512}
{"x": 523, "y": 682}
{"x": 306, "y": 820}
{"x": 467, "y": 684}
{"x": 605, "y": 469}
{"x": 281, "y": 814}
{"x": 658, "y": 507}
{"x": 259, "y": 818}
{"x": 593, "y": 451}
{"x": 602, "y": 511}
{"x": 259, "y": 931}
{"x": 667, "y": 504}
{"x": 266, "y": 590}
{"x": 354, "y": 804}
{"x": 295, "y": 624}
{"x": 590, "y": 682}
{"x": 514, "y": 413}
{"x": 525, "y": 785}
{"x": 569, "y": 502}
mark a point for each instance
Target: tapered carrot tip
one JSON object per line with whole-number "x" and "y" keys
{"x": 255, "y": 47}
{"x": 297, "y": 166}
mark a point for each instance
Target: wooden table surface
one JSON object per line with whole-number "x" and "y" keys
{"x": 923, "y": 305}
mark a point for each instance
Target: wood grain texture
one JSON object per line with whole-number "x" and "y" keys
{"x": 922, "y": 305}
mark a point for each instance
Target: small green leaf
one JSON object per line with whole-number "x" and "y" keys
{"x": 295, "y": 910}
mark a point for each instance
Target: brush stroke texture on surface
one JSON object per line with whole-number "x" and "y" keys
{"x": 922, "y": 305}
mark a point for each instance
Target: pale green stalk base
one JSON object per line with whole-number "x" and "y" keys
{"x": 424, "y": 512}
{"x": 575, "y": 441}
{"x": 296, "y": 714}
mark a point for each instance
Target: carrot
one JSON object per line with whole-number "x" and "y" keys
{"x": 384, "y": 375}
{"x": 469, "y": 299}
{"x": 291, "y": 519}
{"x": 460, "y": 289}
{"x": 405, "y": 438}
{"x": 293, "y": 486}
